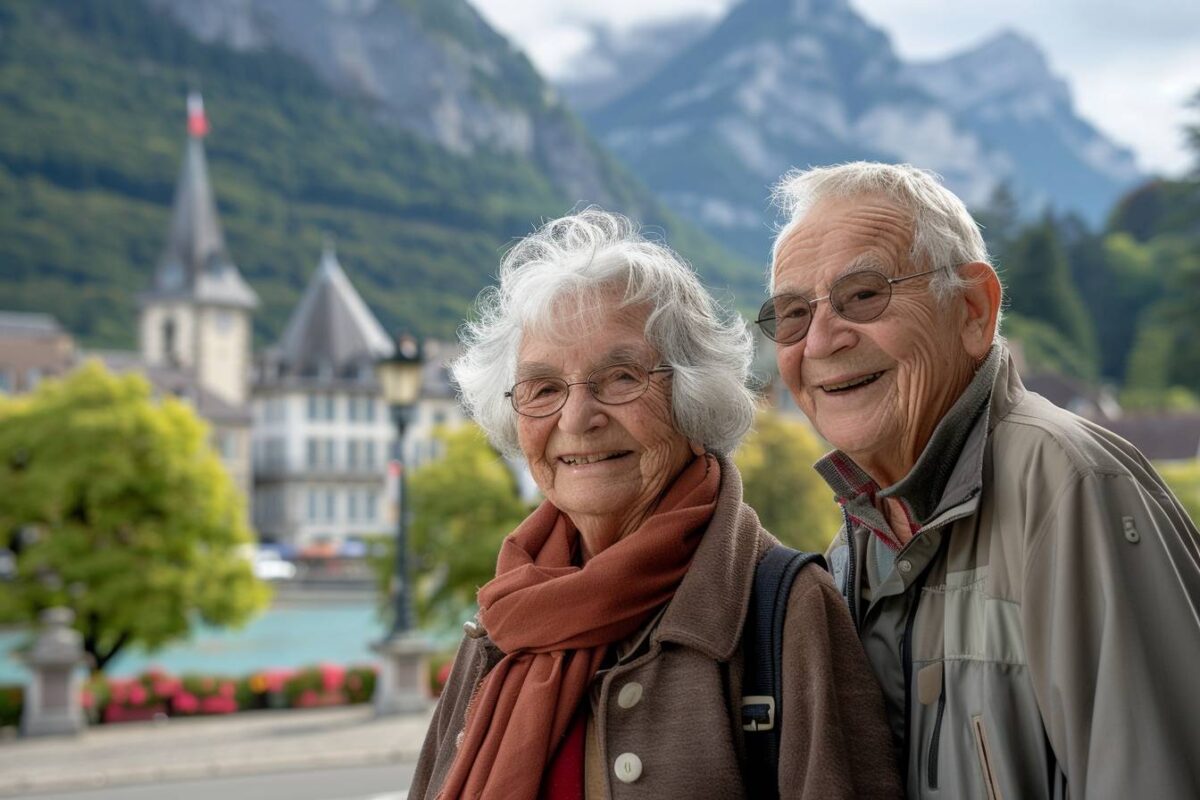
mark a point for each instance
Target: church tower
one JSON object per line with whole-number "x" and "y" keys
{"x": 196, "y": 315}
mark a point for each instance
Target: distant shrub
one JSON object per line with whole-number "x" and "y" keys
{"x": 12, "y": 701}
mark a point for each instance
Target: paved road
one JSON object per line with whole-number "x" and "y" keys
{"x": 350, "y": 783}
{"x": 341, "y": 743}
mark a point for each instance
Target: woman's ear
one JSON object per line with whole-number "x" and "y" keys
{"x": 981, "y": 299}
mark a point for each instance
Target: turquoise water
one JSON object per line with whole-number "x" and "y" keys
{"x": 282, "y": 637}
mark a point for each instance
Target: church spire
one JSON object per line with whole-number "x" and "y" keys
{"x": 195, "y": 264}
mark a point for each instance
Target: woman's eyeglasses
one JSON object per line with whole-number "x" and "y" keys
{"x": 613, "y": 385}
{"x": 858, "y": 297}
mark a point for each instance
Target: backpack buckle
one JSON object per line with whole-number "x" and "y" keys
{"x": 758, "y": 712}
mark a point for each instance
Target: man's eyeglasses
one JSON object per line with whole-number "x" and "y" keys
{"x": 858, "y": 297}
{"x": 613, "y": 385}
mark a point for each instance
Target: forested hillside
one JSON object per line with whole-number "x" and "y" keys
{"x": 92, "y": 132}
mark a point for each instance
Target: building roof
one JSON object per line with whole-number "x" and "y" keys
{"x": 1074, "y": 395}
{"x": 1160, "y": 437}
{"x": 26, "y": 325}
{"x": 331, "y": 328}
{"x": 195, "y": 264}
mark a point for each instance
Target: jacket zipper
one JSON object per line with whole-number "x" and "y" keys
{"x": 937, "y": 734}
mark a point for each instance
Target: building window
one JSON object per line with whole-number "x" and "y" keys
{"x": 372, "y": 509}
{"x": 329, "y": 453}
{"x": 352, "y": 453}
{"x": 370, "y": 408}
{"x": 314, "y": 407}
{"x": 274, "y": 455}
{"x": 168, "y": 334}
{"x": 330, "y": 505}
{"x": 352, "y": 506}
{"x": 369, "y": 454}
{"x": 313, "y": 459}
{"x": 312, "y": 505}
{"x": 227, "y": 446}
{"x": 330, "y": 407}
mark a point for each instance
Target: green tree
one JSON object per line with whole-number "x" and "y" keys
{"x": 792, "y": 501}
{"x": 1040, "y": 288}
{"x": 116, "y": 507}
{"x": 462, "y": 507}
{"x": 1184, "y": 480}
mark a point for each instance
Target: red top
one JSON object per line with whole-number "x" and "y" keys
{"x": 564, "y": 776}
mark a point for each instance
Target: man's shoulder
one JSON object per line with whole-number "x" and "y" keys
{"x": 1038, "y": 435}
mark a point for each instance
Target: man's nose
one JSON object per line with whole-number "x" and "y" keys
{"x": 827, "y": 332}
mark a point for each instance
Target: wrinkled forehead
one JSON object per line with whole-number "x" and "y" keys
{"x": 842, "y": 235}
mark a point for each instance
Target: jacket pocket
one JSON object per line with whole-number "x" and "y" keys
{"x": 985, "y": 759}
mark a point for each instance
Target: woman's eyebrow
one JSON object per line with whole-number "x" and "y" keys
{"x": 618, "y": 355}
{"x": 534, "y": 369}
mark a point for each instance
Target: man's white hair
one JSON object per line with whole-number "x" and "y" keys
{"x": 944, "y": 234}
{"x": 556, "y": 280}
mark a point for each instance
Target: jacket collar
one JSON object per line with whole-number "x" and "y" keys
{"x": 949, "y": 472}
{"x": 710, "y": 604}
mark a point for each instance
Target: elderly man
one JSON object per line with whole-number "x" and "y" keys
{"x": 1025, "y": 585}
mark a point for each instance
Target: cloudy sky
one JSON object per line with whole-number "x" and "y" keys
{"x": 1132, "y": 64}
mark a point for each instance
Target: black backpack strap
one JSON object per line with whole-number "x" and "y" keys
{"x": 762, "y": 682}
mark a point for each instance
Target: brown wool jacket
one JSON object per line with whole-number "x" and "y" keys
{"x": 684, "y": 722}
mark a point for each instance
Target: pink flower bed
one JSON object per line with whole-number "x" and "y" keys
{"x": 156, "y": 694}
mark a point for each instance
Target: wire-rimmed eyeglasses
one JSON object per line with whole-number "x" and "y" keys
{"x": 613, "y": 385}
{"x": 860, "y": 296}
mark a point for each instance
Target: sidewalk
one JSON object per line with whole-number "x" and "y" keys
{"x": 238, "y": 744}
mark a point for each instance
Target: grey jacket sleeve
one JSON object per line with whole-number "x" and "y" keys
{"x": 1112, "y": 628}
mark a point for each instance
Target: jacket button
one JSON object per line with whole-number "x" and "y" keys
{"x": 628, "y": 768}
{"x": 473, "y": 629}
{"x": 630, "y": 695}
{"x": 905, "y": 565}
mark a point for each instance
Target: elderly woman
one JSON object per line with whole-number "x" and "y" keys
{"x": 606, "y": 658}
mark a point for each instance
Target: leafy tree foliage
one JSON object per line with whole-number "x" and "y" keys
{"x": 1184, "y": 480}
{"x": 462, "y": 506}
{"x": 117, "y": 507}
{"x": 1039, "y": 279}
{"x": 792, "y": 501}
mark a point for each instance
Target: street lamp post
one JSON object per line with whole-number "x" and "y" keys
{"x": 404, "y": 676}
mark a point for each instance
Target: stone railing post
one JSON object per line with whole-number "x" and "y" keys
{"x": 53, "y": 703}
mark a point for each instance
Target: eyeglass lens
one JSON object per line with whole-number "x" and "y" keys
{"x": 612, "y": 385}
{"x": 858, "y": 297}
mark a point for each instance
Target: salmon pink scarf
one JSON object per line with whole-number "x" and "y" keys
{"x": 555, "y": 621}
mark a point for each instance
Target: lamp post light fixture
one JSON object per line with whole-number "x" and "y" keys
{"x": 403, "y": 680}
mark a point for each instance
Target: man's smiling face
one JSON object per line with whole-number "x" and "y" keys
{"x": 875, "y": 390}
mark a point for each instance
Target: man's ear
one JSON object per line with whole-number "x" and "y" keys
{"x": 981, "y": 302}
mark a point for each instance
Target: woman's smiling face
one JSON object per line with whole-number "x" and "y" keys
{"x": 604, "y": 466}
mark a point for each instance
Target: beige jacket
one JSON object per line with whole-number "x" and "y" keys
{"x": 672, "y": 701}
{"x": 1039, "y": 636}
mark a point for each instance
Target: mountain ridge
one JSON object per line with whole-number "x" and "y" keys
{"x": 777, "y": 84}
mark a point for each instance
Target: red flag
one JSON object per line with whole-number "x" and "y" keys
{"x": 197, "y": 123}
